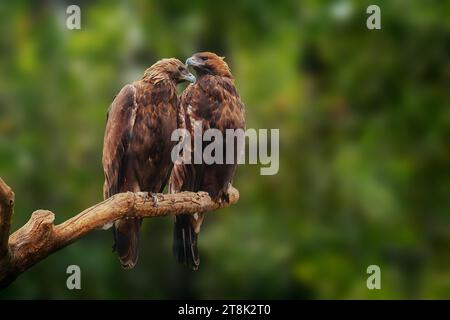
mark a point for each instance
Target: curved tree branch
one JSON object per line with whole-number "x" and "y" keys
{"x": 39, "y": 237}
{"x": 6, "y": 210}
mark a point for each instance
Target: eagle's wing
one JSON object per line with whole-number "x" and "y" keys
{"x": 120, "y": 120}
{"x": 219, "y": 104}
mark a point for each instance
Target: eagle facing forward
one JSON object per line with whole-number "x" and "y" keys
{"x": 213, "y": 100}
{"x": 137, "y": 144}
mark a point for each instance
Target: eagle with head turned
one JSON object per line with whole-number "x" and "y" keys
{"x": 137, "y": 144}
{"x": 213, "y": 100}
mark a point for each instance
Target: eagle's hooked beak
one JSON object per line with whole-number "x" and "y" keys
{"x": 189, "y": 77}
{"x": 193, "y": 62}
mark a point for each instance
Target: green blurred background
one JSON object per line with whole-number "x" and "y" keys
{"x": 364, "y": 119}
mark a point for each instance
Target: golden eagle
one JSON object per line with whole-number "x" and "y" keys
{"x": 137, "y": 143}
{"x": 212, "y": 99}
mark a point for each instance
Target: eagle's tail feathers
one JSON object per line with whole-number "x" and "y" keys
{"x": 185, "y": 242}
{"x": 126, "y": 235}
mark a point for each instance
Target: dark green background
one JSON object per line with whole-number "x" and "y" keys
{"x": 364, "y": 119}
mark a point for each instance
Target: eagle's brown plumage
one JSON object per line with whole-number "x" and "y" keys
{"x": 137, "y": 144}
{"x": 213, "y": 99}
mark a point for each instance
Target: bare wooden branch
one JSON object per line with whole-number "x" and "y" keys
{"x": 6, "y": 210}
{"x": 39, "y": 237}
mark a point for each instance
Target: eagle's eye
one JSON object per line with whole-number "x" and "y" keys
{"x": 204, "y": 58}
{"x": 181, "y": 68}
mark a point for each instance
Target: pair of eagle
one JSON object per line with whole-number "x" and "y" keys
{"x": 137, "y": 144}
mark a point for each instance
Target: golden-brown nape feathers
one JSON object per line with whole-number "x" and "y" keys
{"x": 163, "y": 69}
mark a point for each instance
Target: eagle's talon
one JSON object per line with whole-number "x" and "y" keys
{"x": 225, "y": 198}
{"x": 155, "y": 199}
{"x": 146, "y": 197}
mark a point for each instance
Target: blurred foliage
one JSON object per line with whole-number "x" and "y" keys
{"x": 364, "y": 120}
